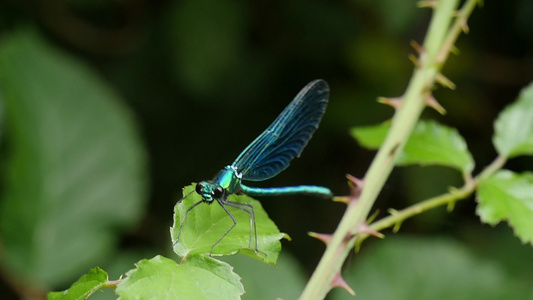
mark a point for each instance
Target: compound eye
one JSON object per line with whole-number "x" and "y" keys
{"x": 218, "y": 192}
{"x": 200, "y": 188}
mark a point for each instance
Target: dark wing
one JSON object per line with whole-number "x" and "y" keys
{"x": 271, "y": 152}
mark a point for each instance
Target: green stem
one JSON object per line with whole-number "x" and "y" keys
{"x": 402, "y": 124}
{"x": 492, "y": 168}
{"x": 397, "y": 217}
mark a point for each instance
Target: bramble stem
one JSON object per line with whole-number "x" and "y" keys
{"x": 438, "y": 43}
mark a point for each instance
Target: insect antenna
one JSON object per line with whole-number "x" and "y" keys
{"x": 182, "y": 198}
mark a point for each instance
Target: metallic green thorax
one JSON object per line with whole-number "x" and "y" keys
{"x": 228, "y": 179}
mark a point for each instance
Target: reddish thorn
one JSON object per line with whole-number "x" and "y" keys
{"x": 445, "y": 82}
{"x": 394, "y": 102}
{"x": 464, "y": 26}
{"x": 364, "y": 228}
{"x": 338, "y": 281}
{"x": 324, "y": 237}
{"x": 433, "y": 103}
{"x": 356, "y": 185}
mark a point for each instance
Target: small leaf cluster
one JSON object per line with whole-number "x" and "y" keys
{"x": 200, "y": 231}
{"x": 502, "y": 194}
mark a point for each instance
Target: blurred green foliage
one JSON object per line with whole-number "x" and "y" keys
{"x": 202, "y": 79}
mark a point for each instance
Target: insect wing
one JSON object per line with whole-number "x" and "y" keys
{"x": 271, "y": 152}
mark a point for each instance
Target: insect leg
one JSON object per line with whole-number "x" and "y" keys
{"x": 251, "y": 212}
{"x": 183, "y": 221}
{"x": 222, "y": 203}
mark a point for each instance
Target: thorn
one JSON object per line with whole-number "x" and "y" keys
{"x": 417, "y": 47}
{"x": 396, "y": 227}
{"x": 455, "y": 50}
{"x": 442, "y": 80}
{"x": 398, "y": 224}
{"x": 427, "y": 3}
{"x": 414, "y": 60}
{"x": 452, "y": 190}
{"x": 395, "y": 102}
{"x": 451, "y": 206}
{"x": 464, "y": 26}
{"x": 324, "y": 237}
{"x": 433, "y": 103}
{"x": 364, "y": 228}
{"x": 342, "y": 199}
{"x": 338, "y": 281}
{"x": 356, "y": 185}
{"x": 113, "y": 283}
{"x": 373, "y": 217}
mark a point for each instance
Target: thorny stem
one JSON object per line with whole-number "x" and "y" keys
{"x": 454, "y": 195}
{"x": 438, "y": 42}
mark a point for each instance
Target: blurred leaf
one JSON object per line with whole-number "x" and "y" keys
{"x": 76, "y": 165}
{"x": 513, "y": 134}
{"x": 83, "y": 287}
{"x": 199, "y": 277}
{"x": 508, "y": 196}
{"x": 206, "y": 224}
{"x": 412, "y": 268}
{"x": 430, "y": 143}
{"x": 371, "y": 137}
{"x": 284, "y": 281}
{"x": 498, "y": 242}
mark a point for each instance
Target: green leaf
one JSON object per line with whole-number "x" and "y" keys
{"x": 199, "y": 277}
{"x": 206, "y": 224}
{"x": 513, "y": 134}
{"x": 508, "y": 196}
{"x": 76, "y": 167}
{"x": 372, "y": 136}
{"x": 430, "y": 143}
{"x": 429, "y": 268}
{"x": 83, "y": 287}
{"x": 261, "y": 281}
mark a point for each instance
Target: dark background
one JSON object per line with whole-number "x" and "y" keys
{"x": 204, "y": 78}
